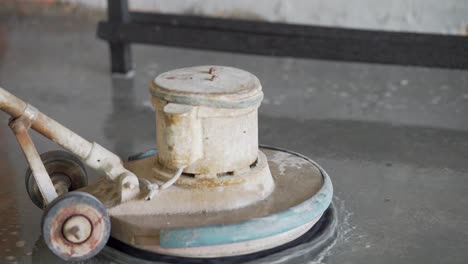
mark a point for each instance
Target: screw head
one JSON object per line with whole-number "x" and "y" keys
{"x": 77, "y": 229}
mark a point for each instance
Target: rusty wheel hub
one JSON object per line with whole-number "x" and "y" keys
{"x": 77, "y": 229}
{"x": 76, "y": 226}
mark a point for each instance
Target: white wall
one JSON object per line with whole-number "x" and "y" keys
{"x": 439, "y": 16}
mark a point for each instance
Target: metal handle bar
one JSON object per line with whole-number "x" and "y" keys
{"x": 93, "y": 154}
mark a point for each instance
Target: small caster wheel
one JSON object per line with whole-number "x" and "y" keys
{"x": 66, "y": 171}
{"x": 75, "y": 226}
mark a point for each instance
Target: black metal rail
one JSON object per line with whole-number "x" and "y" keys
{"x": 276, "y": 39}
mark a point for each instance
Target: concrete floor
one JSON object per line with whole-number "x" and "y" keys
{"x": 393, "y": 139}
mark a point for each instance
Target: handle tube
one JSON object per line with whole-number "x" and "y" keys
{"x": 94, "y": 155}
{"x": 46, "y": 126}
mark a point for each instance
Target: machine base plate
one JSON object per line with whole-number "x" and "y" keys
{"x": 310, "y": 244}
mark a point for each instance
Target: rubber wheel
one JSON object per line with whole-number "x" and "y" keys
{"x": 75, "y": 226}
{"x": 61, "y": 166}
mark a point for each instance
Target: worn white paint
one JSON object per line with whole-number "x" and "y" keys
{"x": 206, "y": 118}
{"x": 250, "y": 187}
{"x": 138, "y": 222}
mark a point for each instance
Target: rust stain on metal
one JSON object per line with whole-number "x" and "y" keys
{"x": 199, "y": 183}
{"x": 173, "y": 119}
{"x": 69, "y": 248}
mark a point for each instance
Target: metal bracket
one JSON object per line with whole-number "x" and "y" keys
{"x": 20, "y": 127}
{"x": 25, "y": 116}
{"x": 275, "y": 39}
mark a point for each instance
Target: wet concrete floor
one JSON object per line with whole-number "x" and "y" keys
{"x": 393, "y": 139}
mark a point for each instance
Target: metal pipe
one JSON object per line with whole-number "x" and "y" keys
{"x": 46, "y": 126}
{"x": 44, "y": 183}
{"x": 94, "y": 155}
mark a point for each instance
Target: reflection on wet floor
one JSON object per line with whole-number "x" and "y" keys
{"x": 126, "y": 109}
{"x": 12, "y": 247}
{"x": 393, "y": 139}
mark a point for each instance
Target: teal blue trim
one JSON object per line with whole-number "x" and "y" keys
{"x": 143, "y": 155}
{"x": 254, "y": 228}
{"x": 191, "y": 100}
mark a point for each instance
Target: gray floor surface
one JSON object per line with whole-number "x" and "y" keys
{"x": 393, "y": 139}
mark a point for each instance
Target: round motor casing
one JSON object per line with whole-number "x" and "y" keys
{"x": 206, "y": 120}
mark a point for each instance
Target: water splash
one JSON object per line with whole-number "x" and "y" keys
{"x": 345, "y": 233}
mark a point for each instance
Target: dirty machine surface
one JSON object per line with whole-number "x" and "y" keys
{"x": 207, "y": 192}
